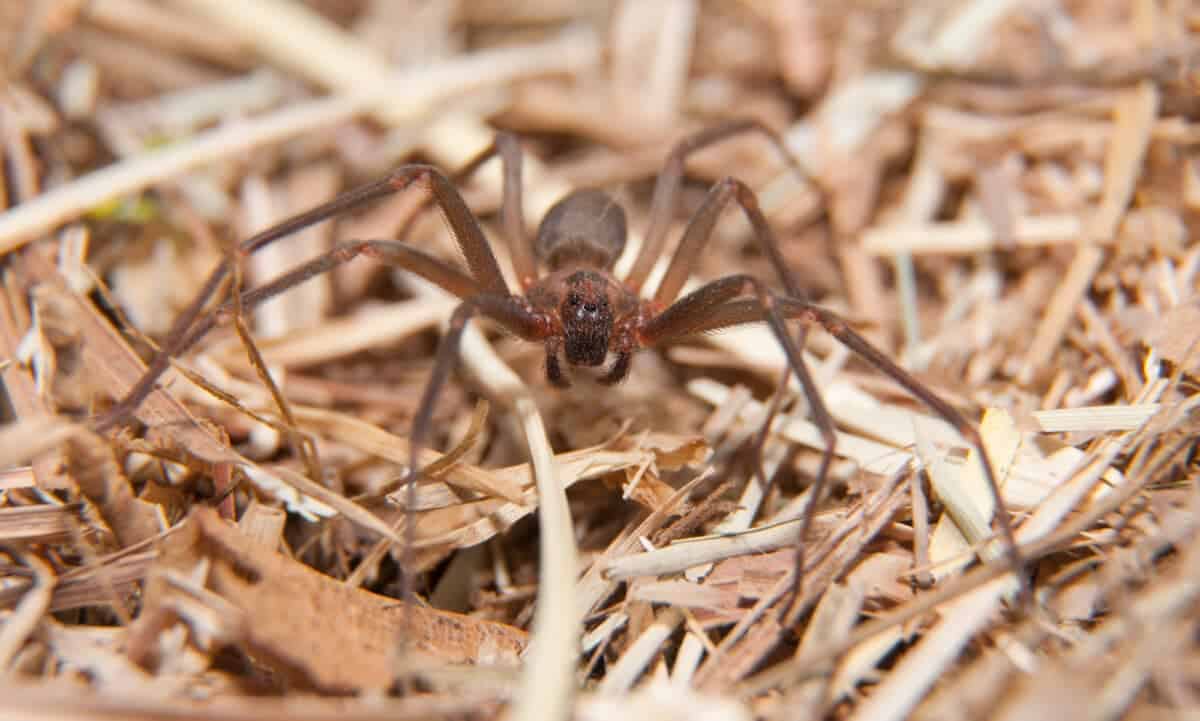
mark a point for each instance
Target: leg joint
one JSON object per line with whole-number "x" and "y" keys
{"x": 410, "y": 174}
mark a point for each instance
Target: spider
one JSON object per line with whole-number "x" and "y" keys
{"x": 578, "y": 310}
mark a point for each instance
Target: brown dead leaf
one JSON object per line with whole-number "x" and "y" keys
{"x": 115, "y": 367}
{"x": 753, "y": 576}
{"x": 673, "y": 451}
{"x": 445, "y": 522}
{"x": 308, "y": 627}
{"x": 52, "y": 348}
{"x": 666, "y": 452}
{"x": 91, "y": 464}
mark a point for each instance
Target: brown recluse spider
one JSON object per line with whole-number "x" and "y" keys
{"x": 578, "y": 310}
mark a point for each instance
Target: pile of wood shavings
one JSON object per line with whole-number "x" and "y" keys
{"x": 1002, "y": 196}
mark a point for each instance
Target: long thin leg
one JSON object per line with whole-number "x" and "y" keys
{"x": 394, "y": 253}
{"x": 510, "y": 311}
{"x": 301, "y": 445}
{"x": 666, "y": 189}
{"x": 685, "y": 313}
{"x": 841, "y": 330}
{"x": 700, "y": 313}
{"x": 514, "y": 314}
{"x": 695, "y": 237}
{"x": 720, "y": 315}
{"x": 466, "y": 230}
{"x": 512, "y": 206}
{"x": 699, "y": 231}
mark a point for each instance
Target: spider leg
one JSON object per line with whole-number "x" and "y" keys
{"x": 666, "y": 190}
{"x": 393, "y": 253}
{"x": 696, "y": 236}
{"x": 840, "y": 329}
{"x": 512, "y": 206}
{"x": 692, "y": 311}
{"x": 698, "y": 306}
{"x": 699, "y": 231}
{"x": 514, "y": 314}
{"x": 178, "y": 338}
{"x": 741, "y": 311}
{"x": 482, "y": 263}
{"x": 701, "y": 312}
{"x": 510, "y": 311}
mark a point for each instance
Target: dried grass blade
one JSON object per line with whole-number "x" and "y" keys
{"x": 637, "y": 657}
{"x": 548, "y": 679}
{"x": 372, "y": 439}
{"x": 1096, "y": 418}
{"x": 302, "y": 40}
{"x": 965, "y": 616}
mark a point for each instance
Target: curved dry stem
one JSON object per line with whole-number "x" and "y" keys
{"x": 548, "y": 679}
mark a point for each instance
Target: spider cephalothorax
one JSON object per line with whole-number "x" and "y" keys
{"x": 579, "y": 240}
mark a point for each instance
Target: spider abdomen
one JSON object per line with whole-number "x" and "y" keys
{"x": 585, "y": 228}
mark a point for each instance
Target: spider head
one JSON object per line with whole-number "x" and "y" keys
{"x": 587, "y": 319}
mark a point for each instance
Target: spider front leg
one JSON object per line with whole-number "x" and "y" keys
{"x": 714, "y": 306}
{"x": 717, "y": 314}
{"x": 666, "y": 190}
{"x": 191, "y": 324}
{"x": 698, "y": 306}
{"x": 840, "y": 329}
{"x": 512, "y": 312}
{"x": 515, "y": 315}
{"x": 689, "y": 315}
{"x": 512, "y": 206}
{"x": 393, "y": 253}
{"x": 700, "y": 229}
